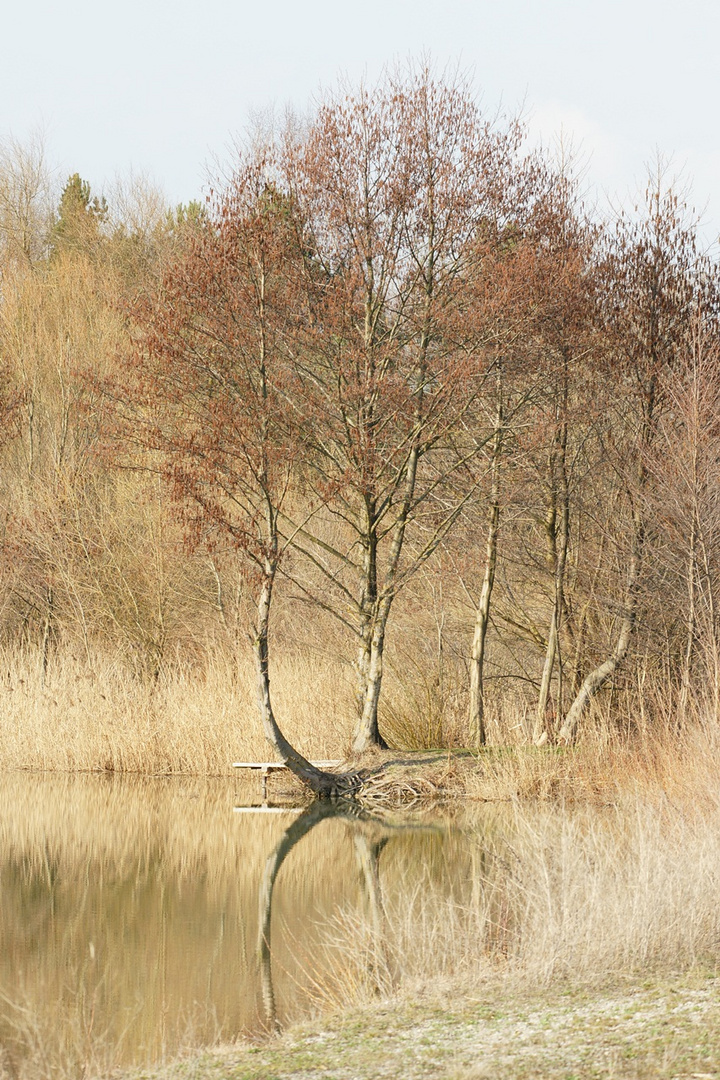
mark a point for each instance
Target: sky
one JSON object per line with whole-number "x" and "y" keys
{"x": 164, "y": 90}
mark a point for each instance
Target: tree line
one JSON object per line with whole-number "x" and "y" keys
{"x": 392, "y": 346}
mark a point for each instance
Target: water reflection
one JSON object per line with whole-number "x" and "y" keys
{"x": 370, "y": 834}
{"x": 132, "y": 914}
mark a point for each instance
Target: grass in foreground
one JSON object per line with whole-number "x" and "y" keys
{"x": 661, "y": 1028}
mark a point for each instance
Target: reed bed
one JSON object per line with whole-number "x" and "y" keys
{"x": 559, "y": 896}
{"x": 94, "y": 715}
{"x": 81, "y": 716}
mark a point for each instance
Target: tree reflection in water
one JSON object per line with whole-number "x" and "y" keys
{"x": 370, "y": 834}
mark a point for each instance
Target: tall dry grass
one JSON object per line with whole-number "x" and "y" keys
{"x": 85, "y": 710}
{"x": 559, "y": 894}
{"x": 101, "y": 717}
{"x": 80, "y": 714}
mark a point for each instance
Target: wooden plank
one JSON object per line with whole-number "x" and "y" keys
{"x": 265, "y": 765}
{"x": 268, "y": 766}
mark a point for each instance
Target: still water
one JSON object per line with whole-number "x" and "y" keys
{"x": 146, "y": 917}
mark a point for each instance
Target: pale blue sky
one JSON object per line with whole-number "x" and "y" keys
{"x": 163, "y": 88}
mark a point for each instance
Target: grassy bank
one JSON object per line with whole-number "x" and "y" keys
{"x": 659, "y": 1028}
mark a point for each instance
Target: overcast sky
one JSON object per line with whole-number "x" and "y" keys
{"x": 162, "y": 89}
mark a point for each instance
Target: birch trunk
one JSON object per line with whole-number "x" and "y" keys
{"x": 542, "y": 732}
{"x": 691, "y": 619}
{"x": 367, "y": 733}
{"x": 368, "y": 611}
{"x": 558, "y": 526}
{"x": 596, "y": 679}
{"x": 476, "y": 717}
{"x": 323, "y": 784}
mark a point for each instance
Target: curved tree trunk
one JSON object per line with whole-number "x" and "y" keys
{"x": 323, "y": 784}
{"x": 292, "y": 835}
{"x": 596, "y": 679}
{"x": 367, "y": 850}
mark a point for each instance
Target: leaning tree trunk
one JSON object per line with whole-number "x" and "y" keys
{"x": 595, "y": 681}
{"x": 597, "y": 678}
{"x": 323, "y": 784}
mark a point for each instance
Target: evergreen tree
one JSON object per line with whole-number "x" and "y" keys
{"x": 80, "y": 217}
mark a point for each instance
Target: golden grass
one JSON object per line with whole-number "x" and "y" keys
{"x": 559, "y": 895}
{"x": 101, "y": 718}
{"x": 196, "y": 721}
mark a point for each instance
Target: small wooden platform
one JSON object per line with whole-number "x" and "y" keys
{"x": 266, "y": 767}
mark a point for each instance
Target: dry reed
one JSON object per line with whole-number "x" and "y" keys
{"x": 77, "y": 716}
{"x": 99, "y": 717}
{"x": 559, "y": 894}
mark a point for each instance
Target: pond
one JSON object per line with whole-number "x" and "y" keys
{"x": 139, "y": 918}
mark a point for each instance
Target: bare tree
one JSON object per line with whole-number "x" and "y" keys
{"x": 26, "y": 201}
{"x": 393, "y": 187}
{"x": 649, "y": 282}
{"x": 685, "y": 504}
{"x": 208, "y": 398}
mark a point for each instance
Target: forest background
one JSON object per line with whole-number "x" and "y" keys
{"x": 393, "y": 373}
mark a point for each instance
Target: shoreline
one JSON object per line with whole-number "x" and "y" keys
{"x": 598, "y": 772}
{"x": 652, "y": 1028}
{"x": 531, "y": 917}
